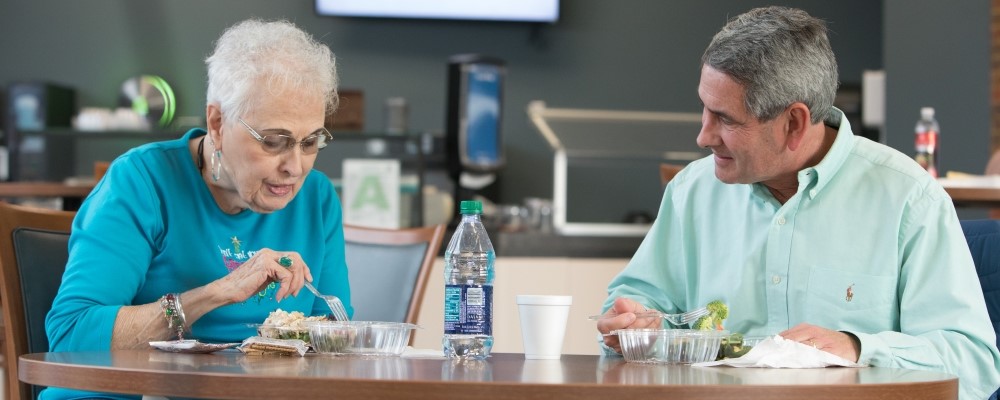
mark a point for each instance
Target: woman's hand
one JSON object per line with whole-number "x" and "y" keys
{"x": 621, "y": 315}
{"x": 263, "y": 268}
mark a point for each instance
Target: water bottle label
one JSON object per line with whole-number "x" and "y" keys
{"x": 927, "y": 140}
{"x": 475, "y": 296}
{"x": 926, "y": 145}
{"x": 468, "y": 310}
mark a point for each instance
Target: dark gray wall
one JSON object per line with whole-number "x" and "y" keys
{"x": 937, "y": 54}
{"x": 622, "y": 54}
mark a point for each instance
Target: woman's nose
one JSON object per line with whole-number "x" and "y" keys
{"x": 292, "y": 161}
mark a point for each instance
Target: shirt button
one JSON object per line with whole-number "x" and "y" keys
{"x": 812, "y": 193}
{"x": 781, "y": 220}
{"x": 775, "y": 279}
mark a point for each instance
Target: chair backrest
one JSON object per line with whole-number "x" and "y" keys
{"x": 993, "y": 168}
{"x": 33, "y": 254}
{"x": 983, "y": 237}
{"x": 389, "y": 270}
{"x": 667, "y": 172}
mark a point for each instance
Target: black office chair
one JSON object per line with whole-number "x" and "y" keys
{"x": 33, "y": 254}
{"x": 984, "y": 242}
{"x": 389, "y": 270}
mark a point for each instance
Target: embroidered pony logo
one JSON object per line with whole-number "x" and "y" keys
{"x": 850, "y": 293}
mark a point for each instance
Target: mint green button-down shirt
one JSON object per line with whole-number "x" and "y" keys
{"x": 870, "y": 244}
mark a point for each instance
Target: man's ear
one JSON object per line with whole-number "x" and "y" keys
{"x": 797, "y": 123}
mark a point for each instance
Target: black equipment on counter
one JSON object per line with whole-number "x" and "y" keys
{"x": 473, "y": 139}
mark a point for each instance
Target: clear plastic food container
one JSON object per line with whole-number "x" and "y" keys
{"x": 283, "y": 332}
{"x": 364, "y": 338}
{"x": 669, "y": 346}
{"x": 737, "y": 345}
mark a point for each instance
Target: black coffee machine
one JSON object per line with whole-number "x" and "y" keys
{"x": 473, "y": 139}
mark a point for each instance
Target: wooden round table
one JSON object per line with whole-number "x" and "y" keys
{"x": 232, "y": 375}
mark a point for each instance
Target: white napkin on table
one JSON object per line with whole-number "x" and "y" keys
{"x": 778, "y": 352}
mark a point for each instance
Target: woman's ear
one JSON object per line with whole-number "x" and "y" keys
{"x": 213, "y": 122}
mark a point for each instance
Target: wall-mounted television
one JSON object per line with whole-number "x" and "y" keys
{"x": 495, "y": 10}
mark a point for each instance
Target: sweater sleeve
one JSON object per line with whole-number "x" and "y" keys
{"x": 111, "y": 245}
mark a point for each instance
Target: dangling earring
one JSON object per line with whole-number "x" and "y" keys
{"x": 216, "y": 165}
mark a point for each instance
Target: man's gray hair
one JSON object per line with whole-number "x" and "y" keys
{"x": 257, "y": 58}
{"x": 780, "y": 56}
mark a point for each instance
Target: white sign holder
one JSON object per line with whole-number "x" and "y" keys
{"x": 371, "y": 193}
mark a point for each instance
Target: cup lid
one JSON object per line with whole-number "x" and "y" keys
{"x": 544, "y": 300}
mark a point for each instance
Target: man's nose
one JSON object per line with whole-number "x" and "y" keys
{"x": 706, "y": 136}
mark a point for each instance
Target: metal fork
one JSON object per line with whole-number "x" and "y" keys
{"x": 674, "y": 319}
{"x": 682, "y": 318}
{"x": 336, "y": 306}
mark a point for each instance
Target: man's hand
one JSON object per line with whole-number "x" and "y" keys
{"x": 838, "y": 343}
{"x": 621, "y": 315}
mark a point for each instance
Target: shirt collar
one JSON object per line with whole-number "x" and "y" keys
{"x": 812, "y": 180}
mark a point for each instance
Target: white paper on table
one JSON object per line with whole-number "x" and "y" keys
{"x": 778, "y": 352}
{"x": 956, "y": 180}
{"x": 410, "y": 352}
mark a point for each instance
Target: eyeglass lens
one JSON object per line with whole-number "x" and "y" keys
{"x": 276, "y": 143}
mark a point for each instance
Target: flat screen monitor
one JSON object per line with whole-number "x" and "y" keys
{"x": 496, "y": 10}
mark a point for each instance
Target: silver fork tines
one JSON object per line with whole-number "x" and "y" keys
{"x": 674, "y": 319}
{"x": 686, "y": 318}
{"x": 336, "y": 306}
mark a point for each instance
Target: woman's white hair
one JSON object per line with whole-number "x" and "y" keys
{"x": 258, "y": 58}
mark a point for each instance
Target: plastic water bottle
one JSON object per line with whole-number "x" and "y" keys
{"x": 927, "y": 131}
{"x": 468, "y": 292}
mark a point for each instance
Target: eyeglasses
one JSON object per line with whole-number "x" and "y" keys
{"x": 278, "y": 143}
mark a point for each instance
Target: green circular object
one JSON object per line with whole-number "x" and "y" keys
{"x": 151, "y": 97}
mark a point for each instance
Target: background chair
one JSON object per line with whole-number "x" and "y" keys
{"x": 667, "y": 172}
{"x": 389, "y": 270}
{"x": 33, "y": 254}
{"x": 984, "y": 243}
{"x": 993, "y": 168}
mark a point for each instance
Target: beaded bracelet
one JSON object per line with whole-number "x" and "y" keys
{"x": 172, "y": 310}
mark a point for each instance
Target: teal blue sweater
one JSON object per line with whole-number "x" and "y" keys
{"x": 151, "y": 227}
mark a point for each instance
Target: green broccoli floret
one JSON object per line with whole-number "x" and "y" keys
{"x": 717, "y": 312}
{"x": 703, "y": 323}
{"x": 719, "y": 309}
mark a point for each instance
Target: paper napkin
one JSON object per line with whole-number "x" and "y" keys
{"x": 778, "y": 352}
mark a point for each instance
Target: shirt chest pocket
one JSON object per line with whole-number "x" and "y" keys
{"x": 834, "y": 289}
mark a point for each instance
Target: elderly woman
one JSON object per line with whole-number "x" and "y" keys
{"x": 195, "y": 235}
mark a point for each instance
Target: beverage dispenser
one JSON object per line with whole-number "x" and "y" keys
{"x": 473, "y": 139}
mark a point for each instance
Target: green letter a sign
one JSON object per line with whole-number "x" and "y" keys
{"x": 370, "y": 193}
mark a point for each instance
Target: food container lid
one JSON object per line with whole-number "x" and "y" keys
{"x": 363, "y": 324}
{"x": 670, "y": 332}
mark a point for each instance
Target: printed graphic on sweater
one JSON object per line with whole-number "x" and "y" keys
{"x": 235, "y": 256}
